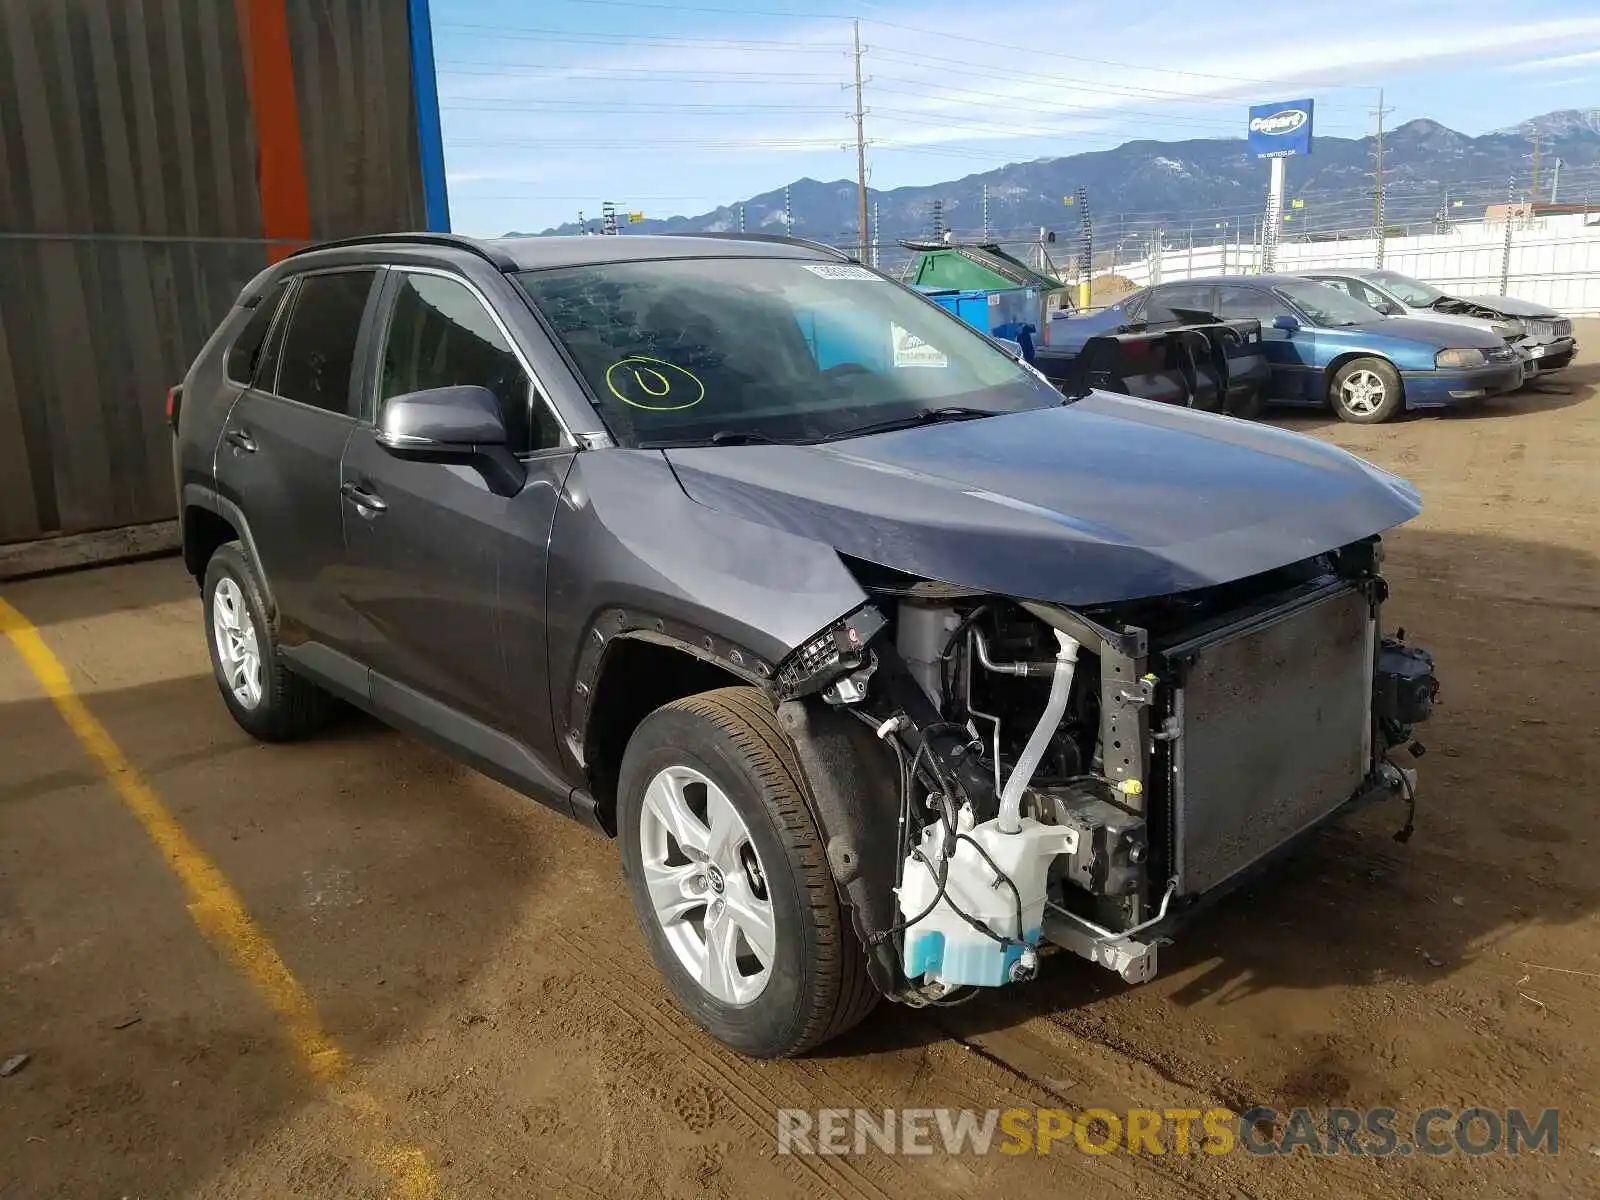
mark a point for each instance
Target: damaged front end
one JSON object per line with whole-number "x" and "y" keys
{"x": 991, "y": 774}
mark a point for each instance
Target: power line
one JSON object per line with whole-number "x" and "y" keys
{"x": 656, "y": 5}
{"x": 620, "y": 106}
{"x": 522, "y": 33}
{"x": 646, "y": 74}
{"x": 1067, "y": 83}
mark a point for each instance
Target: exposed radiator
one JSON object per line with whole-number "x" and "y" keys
{"x": 1275, "y": 732}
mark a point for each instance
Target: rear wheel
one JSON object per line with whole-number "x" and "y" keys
{"x": 730, "y": 880}
{"x": 266, "y": 699}
{"x": 1365, "y": 391}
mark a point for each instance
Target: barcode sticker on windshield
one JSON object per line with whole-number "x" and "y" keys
{"x": 840, "y": 271}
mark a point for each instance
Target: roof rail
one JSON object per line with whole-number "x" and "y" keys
{"x": 454, "y": 241}
{"x": 782, "y": 238}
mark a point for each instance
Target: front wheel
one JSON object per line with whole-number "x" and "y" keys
{"x": 1365, "y": 391}
{"x": 730, "y": 880}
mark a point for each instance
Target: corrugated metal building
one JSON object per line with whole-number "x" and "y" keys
{"x": 154, "y": 155}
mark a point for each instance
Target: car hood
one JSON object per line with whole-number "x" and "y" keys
{"x": 1432, "y": 330}
{"x": 1108, "y": 498}
{"x": 1512, "y": 307}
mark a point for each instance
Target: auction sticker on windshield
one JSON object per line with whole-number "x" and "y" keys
{"x": 841, "y": 271}
{"x": 912, "y": 351}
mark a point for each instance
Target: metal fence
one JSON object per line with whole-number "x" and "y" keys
{"x": 1548, "y": 259}
{"x": 1552, "y": 260}
{"x": 131, "y": 215}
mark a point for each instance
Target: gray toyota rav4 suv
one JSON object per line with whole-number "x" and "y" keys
{"x": 888, "y": 666}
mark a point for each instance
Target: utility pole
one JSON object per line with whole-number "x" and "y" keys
{"x": 1377, "y": 179}
{"x": 1555, "y": 181}
{"x": 1505, "y": 254}
{"x": 861, "y": 144}
{"x": 1535, "y": 159}
{"x": 1085, "y": 250}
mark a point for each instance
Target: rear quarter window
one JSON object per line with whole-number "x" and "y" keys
{"x": 244, "y": 356}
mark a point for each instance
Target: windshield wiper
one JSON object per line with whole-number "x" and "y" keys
{"x": 924, "y": 416}
{"x": 722, "y": 437}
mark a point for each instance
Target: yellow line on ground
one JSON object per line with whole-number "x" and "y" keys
{"x": 216, "y": 907}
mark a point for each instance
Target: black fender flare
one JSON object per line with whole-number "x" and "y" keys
{"x": 197, "y": 495}
{"x": 622, "y": 623}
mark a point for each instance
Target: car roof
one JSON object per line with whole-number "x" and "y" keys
{"x": 539, "y": 253}
{"x": 1247, "y": 280}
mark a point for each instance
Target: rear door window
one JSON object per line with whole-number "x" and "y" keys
{"x": 245, "y": 354}
{"x": 1237, "y": 301}
{"x": 319, "y": 343}
{"x": 1173, "y": 303}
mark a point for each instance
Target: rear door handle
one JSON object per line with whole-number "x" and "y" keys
{"x": 369, "y": 503}
{"x": 241, "y": 439}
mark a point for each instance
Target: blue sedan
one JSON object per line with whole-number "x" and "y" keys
{"x": 1326, "y": 348}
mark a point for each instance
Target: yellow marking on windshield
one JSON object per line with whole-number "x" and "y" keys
{"x": 656, "y": 378}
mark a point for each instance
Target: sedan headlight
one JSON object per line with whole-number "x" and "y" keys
{"x": 1459, "y": 358}
{"x": 1510, "y": 330}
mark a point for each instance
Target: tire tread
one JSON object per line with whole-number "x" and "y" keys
{"x": 292, "y": 707}
{"x": 847, "y": 995}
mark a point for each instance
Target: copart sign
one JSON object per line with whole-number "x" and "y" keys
{"x": 1279, "y": 130}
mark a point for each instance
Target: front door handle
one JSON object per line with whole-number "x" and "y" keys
{"x": 240, "y": 439}
{"x": 369, "y": 503}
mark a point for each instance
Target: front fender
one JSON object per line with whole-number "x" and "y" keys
{"x": 631, "y": 553}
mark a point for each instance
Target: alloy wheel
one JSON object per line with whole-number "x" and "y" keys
{"x": 1362, "y": 393}
{"x": 707, "y": 887}
{"x": 238, "y": 653}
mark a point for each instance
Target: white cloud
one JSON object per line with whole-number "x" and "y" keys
{"x": 1559, "y": 63}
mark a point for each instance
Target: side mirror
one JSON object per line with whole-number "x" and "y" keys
{"x": 1286, "y": 322}
{"x": 460, "y": 424}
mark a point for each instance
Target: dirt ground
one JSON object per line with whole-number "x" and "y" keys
{"x": 476, "y": 958}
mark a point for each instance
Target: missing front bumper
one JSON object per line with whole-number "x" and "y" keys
{"x": 1133, "y": 954}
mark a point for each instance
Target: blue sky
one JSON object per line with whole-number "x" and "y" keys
{"x": 552, "y": 107}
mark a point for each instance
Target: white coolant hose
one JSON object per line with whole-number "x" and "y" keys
{"x": 1033, "y": 752}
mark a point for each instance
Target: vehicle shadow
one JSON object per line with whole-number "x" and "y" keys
{"x": 68, "y": 597}
{"x": 1573, "y": 386}
{"x": 1492, "y": 855}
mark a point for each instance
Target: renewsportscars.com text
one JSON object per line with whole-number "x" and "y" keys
{"x": 1377, "y": 1132}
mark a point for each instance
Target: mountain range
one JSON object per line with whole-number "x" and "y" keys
{"x": 1193, "y": 185}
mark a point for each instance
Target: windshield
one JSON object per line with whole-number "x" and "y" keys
{"x": 690, "y": 350}
{"x": 1325, "y": 305}
{"x": 1411, "y": 292}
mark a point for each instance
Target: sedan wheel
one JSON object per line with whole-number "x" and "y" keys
{"x": 1362, "y": 393}
{"x": 1365, "y": 391}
